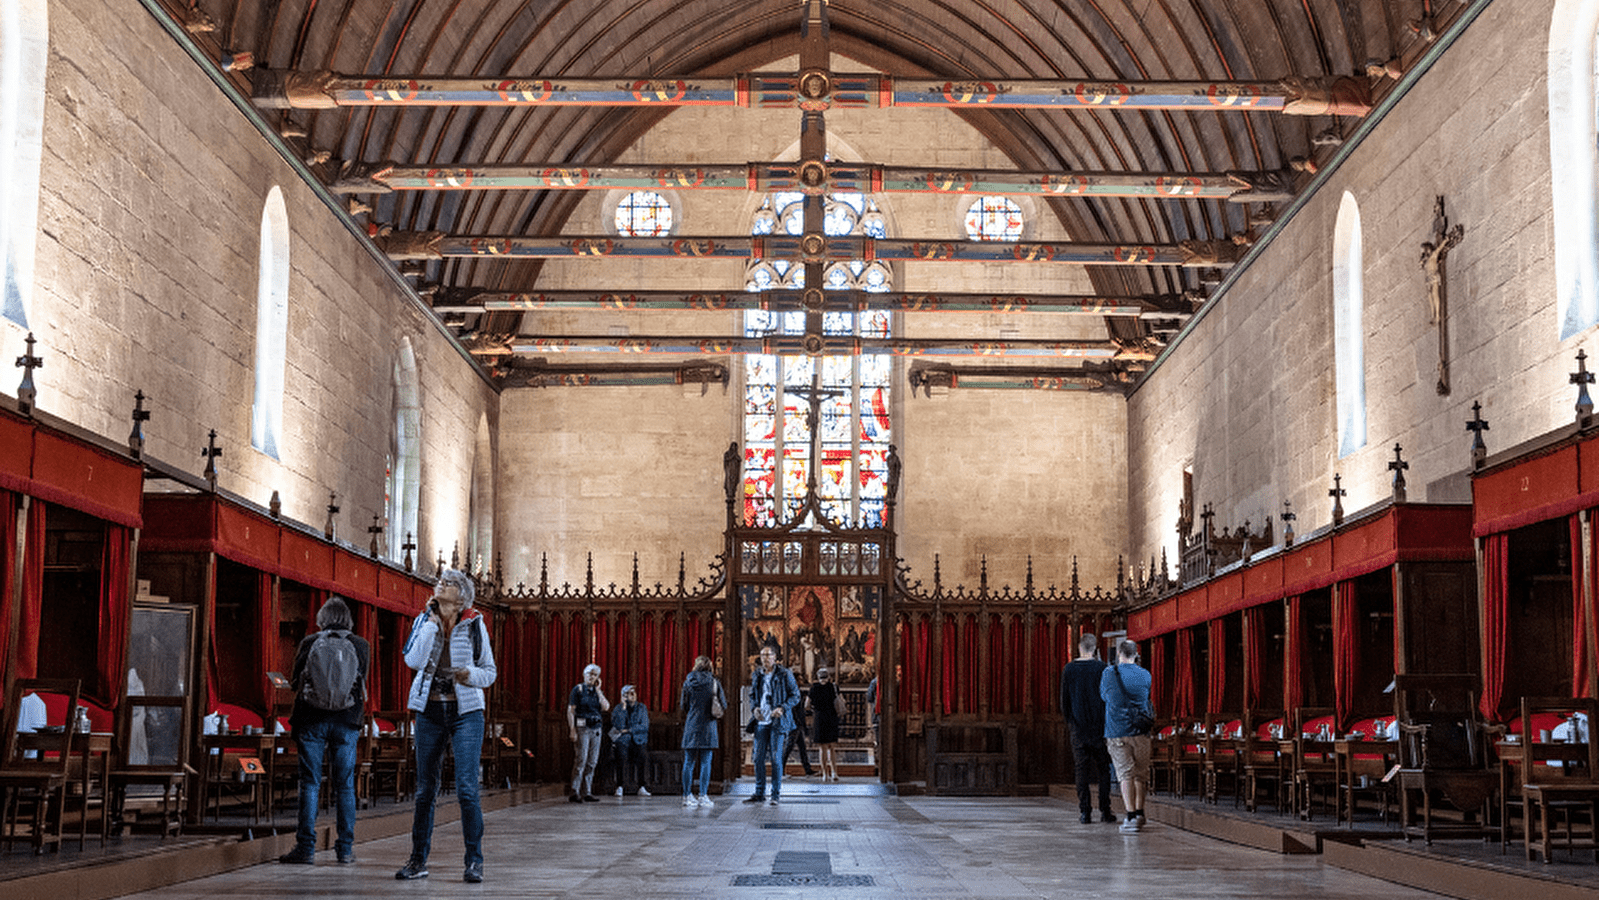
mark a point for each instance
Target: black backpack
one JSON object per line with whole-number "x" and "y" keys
{"x": 332, "y": 672}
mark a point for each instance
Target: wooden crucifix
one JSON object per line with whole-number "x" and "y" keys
{"x": 1433, "y": 254}
{"x": 814, "y": 395}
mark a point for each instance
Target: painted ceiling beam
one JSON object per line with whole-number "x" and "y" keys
{"x": 812, "y": 90}
{"x": 637, "y": 375}
{"x": 813, "y": 178}
{"x": 432, "y": 245}
{"x": 808, "y": 345}
{"x": 477, "y": 300}
{"x": 930, "y": 378}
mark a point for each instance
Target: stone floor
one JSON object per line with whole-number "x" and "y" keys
{"x": 906, "y": 847}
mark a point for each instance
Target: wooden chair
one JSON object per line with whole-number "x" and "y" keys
{"x": 1366, "y": 755}
{"x": 35, "y": 768}
{"x": 1568, "y": 789}
{"x": 1312, "y": 762}
{"x": 1223, "y": 766}
{"x": 391, "y": 755}
{"x": 1188, "y": 756}
{"x": 1442, "y": 754}
{"x": 1258, "y": 754}
{"x": 152, "y": 752}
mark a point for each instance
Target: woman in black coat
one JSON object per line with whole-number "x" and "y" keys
{"x": 824, "y": 702}
{"x": 700, "y": 734}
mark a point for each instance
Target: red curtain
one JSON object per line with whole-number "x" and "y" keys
{"x": 1346, "y": 652}
{"x": 648, "y": 644}
{"x": 27, "y": 654}
{"x": 8, "y": 545}
{"x": 1294, "y": 654}
{"x": 1159, "y": 672}
{"x": 367, "y": 627}
{"x": 924, "y": 664}
{"x": 266, "y": 628}
{"x": 696, "y": 638}
{"x": 213, "y": 672}
{"x": 1216, "y": 685}
{"x": 1579, "y": 619}
{"x": 1496, "y": 588}
{"x": 949, "y": 650}
{"x": 1183, "y": 686}
{"x": 998, "y": 677}
{"x": 971, "y": 676}
{"x": 532, "y": 679}
{"x": 1045, "y": 666}
{"x": 612, "y": 674}
{"x": 1254, "y": 646}
{"x": 667, "y": 667}
{"x": 112, "y": 653}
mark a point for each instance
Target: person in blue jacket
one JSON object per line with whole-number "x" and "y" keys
{"x": 630, "y": 741}
{"x": 773, "y": 694}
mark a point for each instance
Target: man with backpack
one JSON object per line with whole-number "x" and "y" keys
{"x": 329, "y": 695}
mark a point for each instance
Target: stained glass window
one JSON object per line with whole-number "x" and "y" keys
{"x": 644, "y": 214}
{"x": 994, "y": 219}
{"x": 853, "y": 426}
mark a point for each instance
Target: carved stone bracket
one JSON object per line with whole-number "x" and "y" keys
{"x": 402, "y": 245}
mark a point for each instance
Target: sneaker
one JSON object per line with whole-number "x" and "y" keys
{"x": 618, "y": 792}
{"x": 1084, "y": 818}
{"x": 1129, "y": 827}
{"x": 642, "y": 791}
{"x": 755, "y": 798}
{"x": 774, "y": 801}
{"x": 413, "y": 868}
{"x": 298, "y": 857}
{"x": 690, "y": 800}
{"x": 706, "y": 801}
{"x": 346, "y": 857}
{"x": 473, "y": 873}
{"x": 1106, "y": 817}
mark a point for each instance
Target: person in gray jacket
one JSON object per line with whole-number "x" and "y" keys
{"x": 449, "y": 649}
{"x": 700, "y": 735}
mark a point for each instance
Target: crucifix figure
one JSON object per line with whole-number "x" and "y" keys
{"x": 1433, "y": 253}
{"x": 814, "y": 395}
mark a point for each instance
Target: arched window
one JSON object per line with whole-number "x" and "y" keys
{"x": 405, "y": 449}
{"x": 271, "y": 325}
{"x": 1349, "y": 333}
{"x": 1573, "y": 54}
{"x": 854, "y": 423}
{"x": 480, "y": 548}
{"x": 24, "y": 53}
{"x": 644, "y": 214}
{"x": 994, "y": 219}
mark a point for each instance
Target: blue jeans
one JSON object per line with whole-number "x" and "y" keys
{"x": 697, "y": 758}
{"x": 438, "y": 726}
{"x": 311, "y": 743}
{"x": 768, "y": 745}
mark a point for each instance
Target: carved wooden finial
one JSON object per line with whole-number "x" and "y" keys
{"x": 329, "y": 528}
{"x": 1288, "y": 518}
{"x": 408, "y": 546}
{"x": 1337, "y": 493}
{"x": 1398, "y": 466}
{"x": 438, "y": 565}
{"x": 275, "y": 506}
{"x": 26, "y": 394}
{"x": 455, "y": 556}
{"x": 1477, "y": 425}
{"x": 211, "y": 451}
{"x": 376, "y": 530}
{"x": 1581, "y": 378}
{"x": 140, "y": 416}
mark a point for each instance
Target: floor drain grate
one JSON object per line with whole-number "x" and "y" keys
{"x": 802, "y": 881}
{"x": 802, "y": 862}
{"x": 805, "y": 826}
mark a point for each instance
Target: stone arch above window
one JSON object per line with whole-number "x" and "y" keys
{"x": 271, "y": 326}
{"x": 24, "y": 54}
{"x": 1574, "y": 157}
{"x": 1349, "y": 333}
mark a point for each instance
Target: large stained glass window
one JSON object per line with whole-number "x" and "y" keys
{"x": 853, "y": 422}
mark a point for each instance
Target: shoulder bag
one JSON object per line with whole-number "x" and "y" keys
{"x": 718, "y": 704}
{"x": 1140, "y": 720}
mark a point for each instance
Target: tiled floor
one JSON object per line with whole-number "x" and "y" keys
{"x": 910, "y": 847}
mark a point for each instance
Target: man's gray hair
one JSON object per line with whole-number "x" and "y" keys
{"x": 1088, "y": 643}
{"x": 462, "y": 582}
{"x": 1127, "y": 649}
{"x": 591, "y": 667}
{"x": 335, "y": 614}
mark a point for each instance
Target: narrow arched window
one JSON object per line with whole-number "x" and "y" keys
{"x": 405, "y": 449}
{"x": 1349, "y": 333}
{"x": 481, "y": 514}
{"x": 24, "y": 52}
{"x": 271, "y": 325}
{"x": 1574, "y": 157}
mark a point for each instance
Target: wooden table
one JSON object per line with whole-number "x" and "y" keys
{"x": 1349, "y": 764}
{"x": 214, "y": 749}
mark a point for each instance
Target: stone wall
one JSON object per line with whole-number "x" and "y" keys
{"x": 1006, "y": 473}
{"x": 153, "y": 185}
{"x": 1248, "y": 399}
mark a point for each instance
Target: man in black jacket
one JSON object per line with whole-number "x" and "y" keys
{"x": 1085, "y": 714}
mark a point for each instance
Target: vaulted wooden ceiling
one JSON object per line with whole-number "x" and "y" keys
{"x": 1100, "y": 40}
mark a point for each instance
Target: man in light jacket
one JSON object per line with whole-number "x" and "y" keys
{"x": 773, "y": 694}
{"x": 449, "y": 649}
